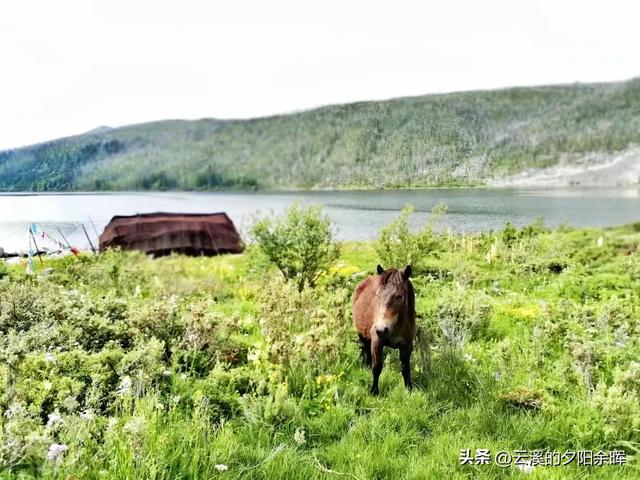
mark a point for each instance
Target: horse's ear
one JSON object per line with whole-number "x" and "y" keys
{"x": 379, "y": 269}
{"x": 407, "y": 272}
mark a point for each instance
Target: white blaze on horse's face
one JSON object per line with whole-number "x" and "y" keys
{"x": 385, "y": 321}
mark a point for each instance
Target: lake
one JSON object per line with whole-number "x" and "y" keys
{"x": 358, "y": 215}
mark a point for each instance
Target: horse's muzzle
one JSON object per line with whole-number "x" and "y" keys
{"x": 383, "y": 333}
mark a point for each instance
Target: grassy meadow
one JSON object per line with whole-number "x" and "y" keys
{"x": 117, "y": 366}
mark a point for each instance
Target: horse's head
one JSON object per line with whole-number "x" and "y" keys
{"x": 393, "y": 298}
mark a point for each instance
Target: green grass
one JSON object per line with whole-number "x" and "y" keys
{"x": 227, "y": 363}
{"x": 457, "y": 139}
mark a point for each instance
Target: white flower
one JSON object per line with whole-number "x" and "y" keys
{"x": 254, "y": 355}
{"x": 221, "y": 467}
{"x": 135, "y": 426}
{"x": 47, "y": 385}
{"x": 54, "y": 419}
{"x": 13, "y": 410}
{"x": 298, "y": 437}
{"x": 525, "y": 467}
{"x": 167, "y": 373}
{"x": 87, "y": 415}
{"x": 50, "y": 358}
{"x": 125, "y": 385}
{"x": 56, "y": 451}
{"x": 176, "y": 399}
{"x": 467, "y": 357}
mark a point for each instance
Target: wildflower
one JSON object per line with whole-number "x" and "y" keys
{"x": 56, "y": 451}
{"x": 87, "y": 415}
{"x": 467, "y": 358}
{"x": 497, "y": 375}
{"x": 54, "y": 420}
{"x": 47, "y": 385}
{"x": 50, "y": 358}
{"x": 299, "y": 437}
{"x": 125, "y": 385}
{"x": 325, "y": 379}
{"x": 13, "y": 410}
{"x": 166, "y": 373}
{"x": 221, "y": 467}
{"x": 525, "y": 467}
{"x": 70, "y": 403}
{"x": 254, "y": 355}
{"x": 176, "y": 399}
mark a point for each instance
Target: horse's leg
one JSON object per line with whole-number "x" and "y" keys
{"x": 405, "y": 359}
{"x": 377, "y": 360}
{"x": 365, "y": 345}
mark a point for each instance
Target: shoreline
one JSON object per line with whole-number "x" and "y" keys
{"x": 494, "y": 184}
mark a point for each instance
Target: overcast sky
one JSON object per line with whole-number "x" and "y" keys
{"x": 68, "y": 66}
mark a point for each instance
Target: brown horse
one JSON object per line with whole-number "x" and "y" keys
{"x": 384, "y": 315}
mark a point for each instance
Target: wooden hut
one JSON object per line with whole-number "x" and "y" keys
{"x": 161, "y": 234}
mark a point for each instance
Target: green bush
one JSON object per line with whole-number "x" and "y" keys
{"x": 397, "y": 246}
{"x": 300, "y": 243}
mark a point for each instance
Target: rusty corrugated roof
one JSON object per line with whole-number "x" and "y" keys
{"x": 164, "y": 233}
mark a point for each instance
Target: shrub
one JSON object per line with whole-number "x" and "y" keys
{"x": 397, "y": 246}
{"x": 304, "y": 331}
{"x": 509, "y": 235}
{"x": 300, "y": 243}
{"x": 461, "y": 316}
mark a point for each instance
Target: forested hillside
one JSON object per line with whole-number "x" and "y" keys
{"x": 450, "y": 139}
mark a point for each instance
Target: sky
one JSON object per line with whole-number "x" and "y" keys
{"x": 68, "y": 66}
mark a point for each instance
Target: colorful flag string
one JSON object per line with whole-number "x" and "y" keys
{"x": 35, "y": 230}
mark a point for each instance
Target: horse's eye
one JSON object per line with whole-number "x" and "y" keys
{"x": 397, "y": 297}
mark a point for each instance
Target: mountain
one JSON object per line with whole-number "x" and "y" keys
{"x": 100, "y": 129}
{"x": 467, "y": 138}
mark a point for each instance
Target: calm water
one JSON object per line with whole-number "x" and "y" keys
{"x": 357, "y": 215}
